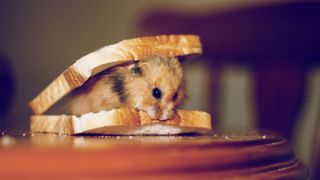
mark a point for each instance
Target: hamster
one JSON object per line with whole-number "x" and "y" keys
{"x": 154, "y": 85}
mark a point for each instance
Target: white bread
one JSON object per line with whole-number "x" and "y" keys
{"x": 108, "y": 56}
{"x": 122, "y": 122}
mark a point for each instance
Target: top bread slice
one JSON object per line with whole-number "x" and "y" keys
{"x": 108, "y": 56}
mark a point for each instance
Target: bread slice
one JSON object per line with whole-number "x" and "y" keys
{"x": 108, "y": 56}
{"x": 122, "y": 121}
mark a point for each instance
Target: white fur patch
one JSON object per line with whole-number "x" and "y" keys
{"x": 152, "y": 112}
{"x": 164, "y": 116}
{"x": 138, "y": 103}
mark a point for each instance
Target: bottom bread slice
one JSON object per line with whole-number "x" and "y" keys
{"x": 122, "y": 121}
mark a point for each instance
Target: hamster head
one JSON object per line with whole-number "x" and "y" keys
{"x": 156, "y": 86}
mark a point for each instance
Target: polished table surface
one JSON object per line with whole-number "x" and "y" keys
{"x": 43, "y": 156}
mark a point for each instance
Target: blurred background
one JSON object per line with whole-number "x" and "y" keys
{"x": 260, "y": 67}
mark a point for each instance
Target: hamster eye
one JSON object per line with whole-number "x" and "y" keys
{"x": 156, "y": 93}
{"x": 175, "y": 96}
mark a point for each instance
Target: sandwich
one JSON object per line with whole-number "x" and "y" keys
{"x": 121, "y": 89}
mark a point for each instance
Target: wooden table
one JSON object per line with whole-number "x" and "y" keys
{"x": 44, "y": 156}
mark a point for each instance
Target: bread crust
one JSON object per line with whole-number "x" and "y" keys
{"x": 118, "y": 121}
{"x": 108, "y": 56}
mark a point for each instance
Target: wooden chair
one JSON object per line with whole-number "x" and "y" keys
{"x": 279, "y": 42}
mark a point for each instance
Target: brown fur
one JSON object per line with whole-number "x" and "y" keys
{"x": 131, "y": 86}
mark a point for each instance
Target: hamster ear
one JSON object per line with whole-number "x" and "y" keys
{"x": 130, "y": 66}
{"x": 135, "y": 69}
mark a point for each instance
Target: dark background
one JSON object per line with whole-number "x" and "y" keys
{"x": 260, "y": 67}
